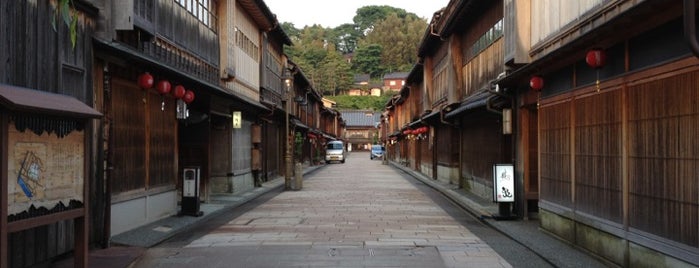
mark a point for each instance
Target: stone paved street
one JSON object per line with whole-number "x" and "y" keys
{"x": 357, "y": 214}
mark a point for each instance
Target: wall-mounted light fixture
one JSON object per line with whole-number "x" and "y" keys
{"x": 303, "y": 101}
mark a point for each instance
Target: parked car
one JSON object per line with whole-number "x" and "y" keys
{"x": 335, "y": 151}
{"x": 377, "y": 151}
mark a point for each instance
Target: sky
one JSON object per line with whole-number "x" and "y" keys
{"x": 332, "y": 13}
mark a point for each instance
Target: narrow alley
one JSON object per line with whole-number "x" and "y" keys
{"x": 357, "y": 214}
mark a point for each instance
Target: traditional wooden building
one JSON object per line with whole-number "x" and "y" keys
{"x": 599, "y": 118}
{"x": 606, "y": 111}
{"x": 309, "y": 119}
{"x": 393, "y": 82}
{"x": 361, "y": 129}
{"x": 227, "y": 57}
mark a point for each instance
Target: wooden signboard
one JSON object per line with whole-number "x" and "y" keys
{"x": 43, "y": 164}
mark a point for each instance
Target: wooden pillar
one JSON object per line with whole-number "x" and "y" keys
{"x": 4, "y": 260}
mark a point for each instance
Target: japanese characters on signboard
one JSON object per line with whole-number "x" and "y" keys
{"x": 503, "y": 183}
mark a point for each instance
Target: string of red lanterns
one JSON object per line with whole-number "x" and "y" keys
{"x": 416, "y": 131}
{"x": 146, "y": 81}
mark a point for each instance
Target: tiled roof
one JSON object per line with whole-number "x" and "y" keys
{"x": 396, "y": 75}
{"x": 361, "y": 78}
{"x": 359, "y": 118}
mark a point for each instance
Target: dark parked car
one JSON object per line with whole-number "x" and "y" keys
{"x": 377, "y": 151}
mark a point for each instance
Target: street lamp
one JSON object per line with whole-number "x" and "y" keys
{"x": 288, "y": 83}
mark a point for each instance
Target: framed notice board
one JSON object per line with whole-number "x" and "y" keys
{"x": 43, "y": 164}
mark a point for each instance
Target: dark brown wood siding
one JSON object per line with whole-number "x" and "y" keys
{"x": 447, "y": 142}
{"x": 129, "y": 140}
{"x": 162, "y": 132}
{"x": 582, "y": 141}
{"x": 554, "y": 153}
{"x": 144, "y": 138}
{"x": 272, "y": 150}
{"x": 598, "y": 155}
{"x": 663, "y": 163}
{"x": 221, "y": 151}
{"x": 482, "y": 147}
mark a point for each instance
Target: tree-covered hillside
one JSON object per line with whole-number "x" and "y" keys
{"x": 380, "y": 40}
{"x": 346, "y": 102}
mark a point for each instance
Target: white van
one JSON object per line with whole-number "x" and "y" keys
{"x": 335, "y": 151}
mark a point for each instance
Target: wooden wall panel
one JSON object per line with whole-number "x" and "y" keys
{"x": 598, "y": 155}
{"x": 221, "y": 152}
{"x": 555, "y": 153}
{"x": 273, "y": 150}
{"x": 162, "y": 153}
{"x": 548, "y": 17}
{"x": 446, "y": 143}
{"x": 242, "y": 156}
{"x": 477, "y": 159}
{"x": 663, "y": 163}
{"x": 129, "y": 141}
{"x": 483, "y": 68}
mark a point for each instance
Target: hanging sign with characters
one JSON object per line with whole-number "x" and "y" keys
{"x": 503, "y": 183}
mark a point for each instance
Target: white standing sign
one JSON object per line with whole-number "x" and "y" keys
{"x": 503, "y": 183}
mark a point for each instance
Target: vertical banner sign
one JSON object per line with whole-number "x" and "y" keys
{"x": 237, "y": 119}
{"x": 503, "y": 183}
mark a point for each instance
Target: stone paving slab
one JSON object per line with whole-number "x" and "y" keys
{"x": 453, "y": 253}
{"x": 292, "y": 256}
{"x": 377, "y": 219}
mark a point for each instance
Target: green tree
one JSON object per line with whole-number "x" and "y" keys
{"x": 367, "y": 59}
{"x": 346, "y": 102}
{"x": 336, "y": 74}
{"x": 368, "y": 16}
{"x": 320, "y": 60}
{"x": 346, "y": 37}
{"x": 381, "y": 39}
{"x": 399, "y": 38}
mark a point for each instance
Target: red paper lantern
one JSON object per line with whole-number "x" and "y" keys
{"x": 424, "y": 129}
{"x": 163, "y": 87}
{"x": 179, "y": 91}
{"x": 536, "y": 83}
{"x": 145, "y": 80}
{"x": 596, "y": 58}
{"x": 407, "y": 131}
{"x": 188, "y": 96}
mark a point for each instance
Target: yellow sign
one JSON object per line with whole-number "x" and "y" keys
{"x": 237, "y": 119}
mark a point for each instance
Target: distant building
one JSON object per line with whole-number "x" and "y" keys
{"x": 394, "y": 81}
{"x": 361, "y": 130}
{"x": 328, "y": 103}
{"x": 362, "y": 87}
{"x": 361, "y": 79}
